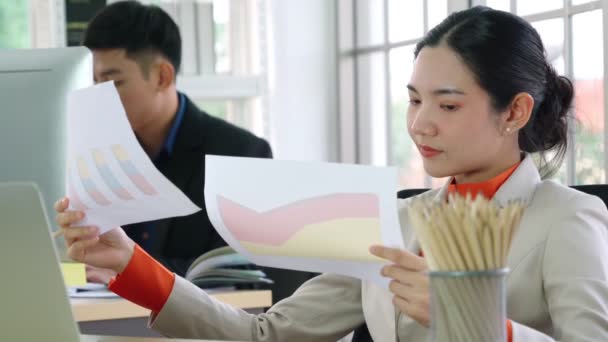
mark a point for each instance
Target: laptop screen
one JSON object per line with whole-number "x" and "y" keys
{"x": 33, "y": 299}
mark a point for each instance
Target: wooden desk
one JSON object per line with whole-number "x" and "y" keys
{"x": 119, "y": 317}
{"x": 98, "y": 309}
{"x": 94, "y": 338}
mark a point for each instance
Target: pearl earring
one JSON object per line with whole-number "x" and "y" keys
{"x": 508, "y": 129}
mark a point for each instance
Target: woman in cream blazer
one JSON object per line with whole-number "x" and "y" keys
{"x": 557, "y": 289}
{"x": 481, "y": 93}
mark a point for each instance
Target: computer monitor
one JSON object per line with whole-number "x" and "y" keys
{"x": 35, "y": 85}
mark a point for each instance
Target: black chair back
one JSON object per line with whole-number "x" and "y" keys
{"x": 405, "y": 193}
{"x": 599, "y": 190}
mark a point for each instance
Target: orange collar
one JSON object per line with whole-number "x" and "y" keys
{"x": 487, "y": 188}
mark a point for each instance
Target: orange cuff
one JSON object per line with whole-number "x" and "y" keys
{"x": 144, "y": 281}
{"x": 509, "y": 331}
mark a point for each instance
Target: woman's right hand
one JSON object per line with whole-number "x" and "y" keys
{"x": 112, "y": 250}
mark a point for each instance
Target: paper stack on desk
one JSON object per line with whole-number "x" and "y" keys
{"x": 91, "y": 290}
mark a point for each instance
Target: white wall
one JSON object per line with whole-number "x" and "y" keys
{"x": 302, "y": 79}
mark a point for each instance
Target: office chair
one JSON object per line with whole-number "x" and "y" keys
{"x": 286, "y": 282}
{"x": 361, "y": 334}
{"x": 599, "y": 190}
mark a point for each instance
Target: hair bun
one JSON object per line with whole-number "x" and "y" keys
{"x": 549, "y": 129}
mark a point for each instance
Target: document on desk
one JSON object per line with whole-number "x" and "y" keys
{"x": 108, "y": 175}
{"x": 91, "y": 290}
{"x": 316, "y": 217}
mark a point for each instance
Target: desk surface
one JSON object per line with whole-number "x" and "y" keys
{"x": 99, "y": 309}
{"x": 93, "y": 338}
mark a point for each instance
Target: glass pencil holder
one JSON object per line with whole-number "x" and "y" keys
{"x": 468, "y": 306}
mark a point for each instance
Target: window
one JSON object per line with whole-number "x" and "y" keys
{"x": 376, "y": 41}
{"x": 14, "y": 25}
{"x": 223, "y": 57}
{"x": 531, "y": 7}
{"x": 403, "y": 150}
{"x": 552, "y": 34}
{"x": 223, "y": 50}
{"x": 573, "y": 34}
{"x": 376, "y": 44}
{"x": 32, "y": 24}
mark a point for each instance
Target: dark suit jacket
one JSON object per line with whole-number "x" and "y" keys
{"x": 178, "y": 241}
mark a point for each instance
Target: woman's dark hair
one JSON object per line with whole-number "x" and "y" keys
{"x": 506, "y": 56}
{"x": 137, "y": 28}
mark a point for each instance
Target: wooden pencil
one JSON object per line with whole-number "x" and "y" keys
{"x": 465, "y": 234}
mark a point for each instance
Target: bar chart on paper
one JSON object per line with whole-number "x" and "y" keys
{"x": 107, "y": 180}
{"x": 89, "y": 184}
{"x": 109, "y": 175}
{"x": 131, "y": 171}
{"x": 75, "y": 200}
{"x": 305, "y": 228}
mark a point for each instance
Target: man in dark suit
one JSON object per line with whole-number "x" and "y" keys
{"x": 139, "y": 48}
{"x": 176, "y": 242}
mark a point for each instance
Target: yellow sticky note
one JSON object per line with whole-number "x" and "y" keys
{"x": 73, "y": 274}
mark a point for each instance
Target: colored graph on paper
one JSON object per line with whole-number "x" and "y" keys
{"x": 109, "y": 180}
{"x": 336, "y": 226}
{"x": 129, "y": 168}
{"x": 75, "y": 200}
{"x": 108, "y": 176}
{"x": 89, "y": 184}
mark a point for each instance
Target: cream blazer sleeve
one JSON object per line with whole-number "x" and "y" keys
{"x": 325, "y": 308}
{"x": 576, "y": 289}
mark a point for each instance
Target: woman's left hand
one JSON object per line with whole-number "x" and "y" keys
{"x": 409, "y": 284}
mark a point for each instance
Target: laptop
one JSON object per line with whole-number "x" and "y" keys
{"x": 34, "y": 305}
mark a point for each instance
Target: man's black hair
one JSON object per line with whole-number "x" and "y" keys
{"x": 137, "y": 28}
